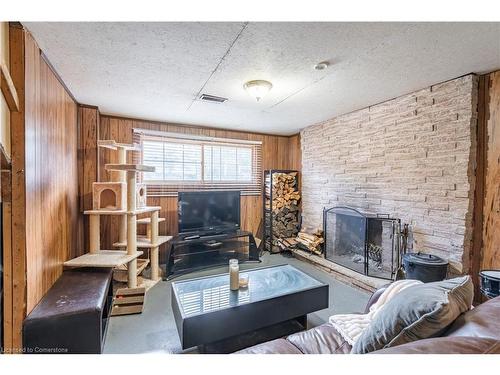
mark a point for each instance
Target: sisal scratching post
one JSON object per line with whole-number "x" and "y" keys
{"x": 155, "y": 269}
{"x": 131, "y": 228}
{"x": 122, "y": 159}
{"x": 122, "y": 230}
{"x": 94, "y": 245}
{"x": 154, "y": 250}
{"x": 131, "y": 178}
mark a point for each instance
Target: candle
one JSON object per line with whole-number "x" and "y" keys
{"x": 234, "y": 270}
{"x": 244, "y": 281}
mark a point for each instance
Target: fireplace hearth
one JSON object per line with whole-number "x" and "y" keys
{"x": 366, "y": 243}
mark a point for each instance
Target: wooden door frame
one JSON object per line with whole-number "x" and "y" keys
{"x": 14, "y": 208}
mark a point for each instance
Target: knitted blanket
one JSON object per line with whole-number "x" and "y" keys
{"x": 350, "y": 326}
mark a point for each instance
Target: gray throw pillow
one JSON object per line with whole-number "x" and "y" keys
{"x": 416, "y": 313}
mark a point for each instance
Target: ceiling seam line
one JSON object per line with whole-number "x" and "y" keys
{"x": 245, "y": 24}
{"x": 296, "y": 92}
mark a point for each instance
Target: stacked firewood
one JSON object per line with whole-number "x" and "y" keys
{"x": 285, "y": 193}
{"x": 286, "y": 244}
{"x": 310, "y": 240}
{"x": 307, "y": 239}
{"x": 285, "y": 207}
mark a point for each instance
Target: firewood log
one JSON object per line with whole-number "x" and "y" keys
{"x": 306, "y": 236}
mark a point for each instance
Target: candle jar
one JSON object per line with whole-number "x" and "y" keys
{"x": 234, "y": 270}
{"x": 244, "y": 280}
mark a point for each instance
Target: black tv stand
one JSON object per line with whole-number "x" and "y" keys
{"x": 205, "y": 235}
{"x": 192, "y": 252}
{"x": 192, "y": 237}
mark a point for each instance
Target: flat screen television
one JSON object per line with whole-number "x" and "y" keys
{"x": 208, "y": 211}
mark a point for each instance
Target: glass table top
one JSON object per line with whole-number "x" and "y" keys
{"x": 207, "y": 294}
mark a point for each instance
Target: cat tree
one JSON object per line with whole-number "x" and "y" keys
{"x": 125, "y": 198}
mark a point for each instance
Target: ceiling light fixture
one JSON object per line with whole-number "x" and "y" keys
{"x": 322, "y": 65}
{"x": 258, "y": 88}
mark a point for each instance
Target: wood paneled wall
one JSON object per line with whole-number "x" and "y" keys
{"x": 294, "y": 152}
{"x": 51, "y": 142}
{"x": 46, "y": 228}
{"x": 491, "y": 209}
{"x": 88, "y": 119}
{"x": 275, "y": 154}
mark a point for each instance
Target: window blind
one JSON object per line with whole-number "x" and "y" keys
{"x": 191, "y": 163}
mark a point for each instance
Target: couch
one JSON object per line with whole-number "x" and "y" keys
{"x": 474, "y": 332}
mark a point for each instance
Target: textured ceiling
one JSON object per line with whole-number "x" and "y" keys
{"x": 156, "y": 71}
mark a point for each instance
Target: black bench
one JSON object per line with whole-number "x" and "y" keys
{"x": 72, "y": 316}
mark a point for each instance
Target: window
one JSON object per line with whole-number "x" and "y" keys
{"x": 227, "y": 163}
{"x": 185, "y": 162}
{"x": 173, "y": 161}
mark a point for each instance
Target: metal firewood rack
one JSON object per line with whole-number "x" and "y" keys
{"x": 268, "y": 215}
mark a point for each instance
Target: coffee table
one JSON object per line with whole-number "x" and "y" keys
{"x": 276, "y": 303}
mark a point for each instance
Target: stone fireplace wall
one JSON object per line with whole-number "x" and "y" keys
{"x": 411, "y": 157}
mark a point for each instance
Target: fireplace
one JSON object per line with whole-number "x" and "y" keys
{"x": 368, "y": 244}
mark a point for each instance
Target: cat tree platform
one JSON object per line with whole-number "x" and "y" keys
{"x": 120, "y": 273}
{"x": 129, "y": 167}
{"x": 147, "y": 220}
{"x": 138, "y": 211}
{"x": 148, "y": 283}
{"x": 103, "y": 258}
{"x": 145, "y": 242}
{"x": 112, "y": 145}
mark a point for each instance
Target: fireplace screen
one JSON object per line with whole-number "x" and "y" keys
{"x": 368, "y": 244}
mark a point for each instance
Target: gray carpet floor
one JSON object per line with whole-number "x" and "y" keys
{"x": 154, "y": 330}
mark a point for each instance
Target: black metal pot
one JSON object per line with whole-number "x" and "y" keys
{"x": 424, "y": 267}
{"x": 489, "y": 283}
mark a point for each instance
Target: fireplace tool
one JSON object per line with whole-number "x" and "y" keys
{"x": 400, "y": 273}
